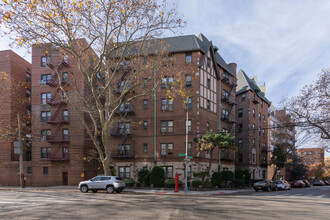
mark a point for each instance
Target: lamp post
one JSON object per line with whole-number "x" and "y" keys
{"x": 186, "y": 158}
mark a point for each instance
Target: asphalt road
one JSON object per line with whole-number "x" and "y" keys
{"x": 307, "y": 203}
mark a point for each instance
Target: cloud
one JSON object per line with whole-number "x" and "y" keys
{"x": 276, "y": 40}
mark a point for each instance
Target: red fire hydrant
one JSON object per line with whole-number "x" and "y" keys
{"x": 176, "y": 189}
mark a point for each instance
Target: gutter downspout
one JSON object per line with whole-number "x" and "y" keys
{"x": 219, "y": 165}
{"x": 155, "y": 118}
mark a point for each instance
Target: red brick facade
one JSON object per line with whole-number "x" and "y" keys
{"x": 17, "y": 71}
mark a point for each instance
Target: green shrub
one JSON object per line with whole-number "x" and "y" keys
{"x": 247, "y": 177}
{"x": 228, "y": 175}
{"x": 216, "y": 179}
{"x": 157, "y": 177}
{"x": 130, "y": 182}
{"x": 171, "y": 183}
{"x": 239, "y": 182}
{"x": 208, "y": 184}
{"x": 239, "y": 174}
{"x": 144, "y": 177}
{"x": 196, "y": 183}
{"x": 200, "y": 174}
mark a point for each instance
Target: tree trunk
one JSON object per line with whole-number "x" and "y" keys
{"x": 210, "y": 163}
{"x": 106, "y": 167}
{"x": 274, "y": 174}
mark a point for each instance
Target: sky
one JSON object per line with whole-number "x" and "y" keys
{"x": 285, "y": 43}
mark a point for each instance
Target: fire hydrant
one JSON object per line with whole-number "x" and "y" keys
{"x": 176, "y": 189}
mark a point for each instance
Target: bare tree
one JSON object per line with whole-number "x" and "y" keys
{"x": 310, "y": 109}
{"x": 119, "y": 52}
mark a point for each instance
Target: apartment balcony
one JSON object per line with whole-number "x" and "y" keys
{"x": 55, "y": 139}
{"x": 55, "y": 82}
{"x": 264, "y": 149}
{"x": 120, "y": 154}
{"x": 229, "y": 101}
{"x": 125, "y": 111}
{"x": 62, "y": 120}
{"x": 255, "y": 100}
{"x": 230, "y": 119}
{"x": 264, "y": 163}
{"x": 56, "y": 102}
{"x": 121, "y": 133}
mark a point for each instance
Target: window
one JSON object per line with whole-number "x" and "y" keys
{"x": 259, "y": 116}
{"x": 145, "y": 104}
{"x": 263, "y": 132}
{"x": 44, "y": 60}
{"x": 264, "y": 145}
{"x": 254, "y": 142}
{"x": 65, "y": 58}
{"x": 225, "y": 94}
{"x": 65, "y": 115}
{"x": 208, "y": 83}
{"x": 240, "y": 127}
{"x": 28, "y": 109}
{"x": 188, "y": 57}
{"x": 166, "y": 149}
{"x": 208, "y": 104}
{"x": 188, "y": 80}
{"x": 189, "y": 172}
{"x": 145, "y": 124}
{"x": 65, "y": 134}
{"x": 189, "y": 125}
{"x": 145, "y": 148}
{"x": 240, "y": 157}
{"x": 189, "y": 148}
{"x": 254, "y": 156}
{"x": 29, "y": 170}
{"x": 207, "y": 126}
{"x": 240, "y": 113}
{"x": 145, "y": 82}
{"x": 124, "y": 172}
{"x": 45, "y": 97}
{"x": 254, "y": 113}
{"x": 225, "y": 130}
{"x": 46, "y": 78}
{"x": 65, "y": 77}
{"x": 188, "y": 103}
{"x": 45, "y": 133}
{"x": 124, "y": 149}
{"x": 167, "y": 82}
{"x": 45, "y": 152}
{"x": 28, "y": 93}
{"x": 259, "y": 130}
{"x": 28, "y": 156}
{"x": 225, "y": 75}
{"x": 225, "y": 113}
{"x": 243, "y": 97}
{"x": 208, "y": 62}
{"x": 65, "y": 152}
{"x": 124, "y": 128}
{"x": 240, "y": 142}
{"x": 254, "y": 128}
{"x": 28, "y": 77}
{"x": 45, "y": 116}
{"x": 168, "y": 172}
{"x": 167, "y": 104}
{"x": 263, "y": 119}
{"x": 166, "y": 126}
{"x": 45, "y": 170}
{"x": 261, "y": 104}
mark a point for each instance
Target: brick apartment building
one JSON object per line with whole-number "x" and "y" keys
{"x": 282, "y": 133}
{"x": 161, "y": 136}
{"x": 60, "y": 143}
{"x": 15, "y": 93}
{"x": 252, "y": 131}
{"x": 59, "y": 138}
{"x": 311, "y": 156}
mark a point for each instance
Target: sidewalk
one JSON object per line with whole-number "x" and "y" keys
{"x": 131, "y": 190}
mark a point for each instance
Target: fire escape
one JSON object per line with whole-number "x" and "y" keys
{"x": 232, "y": 83}
{"x": 59, "y": 137}
{"x": 124, "y": 130}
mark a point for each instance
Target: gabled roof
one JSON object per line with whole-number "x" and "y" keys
{"x": 244, "y": 84}
{"x": 211, "y": 49}
{"x": 185, "y": 43}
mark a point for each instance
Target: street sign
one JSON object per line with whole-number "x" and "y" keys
{"x": 190, "y": 157}
{"x": 187, "y": 162}
{"x": 181, "y": 155}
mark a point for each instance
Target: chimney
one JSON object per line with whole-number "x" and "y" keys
{"x": 233, "y": 67}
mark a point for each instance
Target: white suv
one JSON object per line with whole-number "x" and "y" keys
{"x": 108, "y": 183}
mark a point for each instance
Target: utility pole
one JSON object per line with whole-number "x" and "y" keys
{"x": 186, "y": 158}
{"x": 21, "y": 170}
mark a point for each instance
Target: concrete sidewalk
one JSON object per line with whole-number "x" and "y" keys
{"x": 131, "y": 190}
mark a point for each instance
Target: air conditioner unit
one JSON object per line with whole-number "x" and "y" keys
{"x": 42, "y": 82}
{"x": 43, "y": 138}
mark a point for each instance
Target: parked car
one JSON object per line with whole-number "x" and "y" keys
{"x": 318, "y": 183}
{"x": 326, "y": 182}
{"x": 108, "y": 183}
{"x": 265, "y": 185}
{"x": 282, "y": 184}
{"x": 298, "y": 183}
{"x": 308, "y": 184}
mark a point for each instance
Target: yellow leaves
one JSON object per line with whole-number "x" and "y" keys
{"x": 122, "y": 10}
{"x": 19, "y": 43}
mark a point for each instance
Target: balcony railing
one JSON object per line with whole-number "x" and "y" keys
{"x": 123, "y": 154}
{"x": 120, "y": 133}
{"x": 126, "y": 111}
{"x": 61, "y": 120}
{"x": 56, "y": 139}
